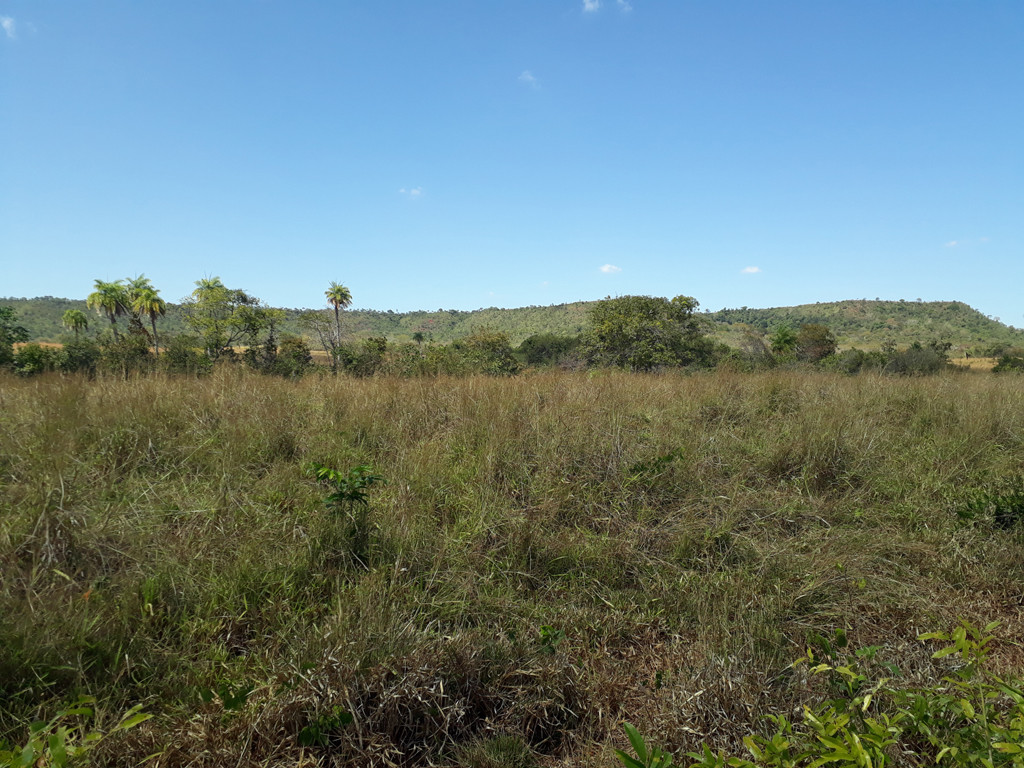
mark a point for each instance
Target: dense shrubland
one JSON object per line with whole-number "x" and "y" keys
{"x": 551, "y": 554}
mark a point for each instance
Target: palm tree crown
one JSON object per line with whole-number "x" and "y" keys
{"x": 145, "y": 300}
{"x": 338, "y": 296}
{"x": 76, "y": 320}
{"x": 109, "y": 299}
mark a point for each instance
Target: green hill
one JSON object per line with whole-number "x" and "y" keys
{"x": 856, "y": 323}
{"x": 867, "y": 324}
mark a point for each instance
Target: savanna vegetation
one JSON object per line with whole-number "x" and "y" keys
{"x": 863, "y": 323}
{"x": 499, "y": 571}
{"x": 226, "y": 325}
{"x": 479, "y": 554}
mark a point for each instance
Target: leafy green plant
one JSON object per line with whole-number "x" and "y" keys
{"x": 232, "y": 698}
{"x": 61, "y": 741}
{"x": 974, "y": 717}
{"x": 1002, "y": 504}
{"x": 846, "y": 671}
{"x": 649, "y": 471}
{"x": 550, "y": 638}
{"x": 316, "y": 734}
{"x": 349, "y": 498}
{"x": 645, "y": 756}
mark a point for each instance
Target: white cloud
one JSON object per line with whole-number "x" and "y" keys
{"x": 625, "y": 6}
{"x": 7, "y": 24}
{"x": 967, "y": 243}
{"x": 610, "y": 269}
{"x": 589, "y": 6}
{"x": 528, "y": 78}
{"x": 413, "y": 193}
{"x": 751, "y": 270}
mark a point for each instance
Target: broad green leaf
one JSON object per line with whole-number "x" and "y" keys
{"x": 637, "y": 741}
{"x": 967, "y": 707}
{"x": 133, "y": 720}
{"x": 57, "y": 752}
{"x": 28, "y": 756}
{"x": 628, "y": 761}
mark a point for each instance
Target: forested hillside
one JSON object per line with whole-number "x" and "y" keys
{"x": 866, "y": 324}
{"x": 856, "y": 323}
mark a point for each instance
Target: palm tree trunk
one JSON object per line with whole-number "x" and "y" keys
{"x": 156, "y": 341}
{"x": 337, "y": 340}
{"x": 113, "y": 325}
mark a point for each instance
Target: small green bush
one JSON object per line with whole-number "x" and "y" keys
{"x": 35, "y": 358}
{"x": 1008, "y": 363}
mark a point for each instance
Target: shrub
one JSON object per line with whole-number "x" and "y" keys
{"x": 79, "y": 356}
{"x": 548, "y": 348}
{"x": 1009, "y": 363}
{"x": 814, "y": 342}
{"x": 918, "y": 360}
{"x": 127, "y": 354}
{"x": 642, "y": 333}
{"x": 293, "y": 357}
{"x": 853, "y": 361}
{"x": 182, "y": 354}
{"x": 10, "y": 334}
{"x": 364, "y": 359}
{"x": 35, "y": 358}
{"x": 489, "y": 352}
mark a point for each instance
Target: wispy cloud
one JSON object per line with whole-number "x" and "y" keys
{"x": 967, "y": 242}
{"x": 750, "y": 270}
{"x": 610, "y": 269}
{"x": 412, "y": 193}
{"x": 7, "y": 24}
{"x": 625, "y": 6}
{"x": 528, "y": 78}
{"x": 589, "y": 6}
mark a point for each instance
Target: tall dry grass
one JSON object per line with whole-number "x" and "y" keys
{"x": 553, "y": 553}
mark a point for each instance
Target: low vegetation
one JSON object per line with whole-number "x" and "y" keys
{"x": 497, "y": 570}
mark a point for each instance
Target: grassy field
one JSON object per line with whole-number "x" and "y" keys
{"x": 551, "y": 554}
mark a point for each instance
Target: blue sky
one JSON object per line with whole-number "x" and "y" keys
{"x": 471, "y": 154}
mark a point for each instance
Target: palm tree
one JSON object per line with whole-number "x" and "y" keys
{"x": 339, "y": 297}
{"x": 109, "y": 299}
{"x": 76, "y": 320}
{"x": 146, "y": 301}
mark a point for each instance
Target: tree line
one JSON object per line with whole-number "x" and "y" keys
{"x": 228, "y": 325}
